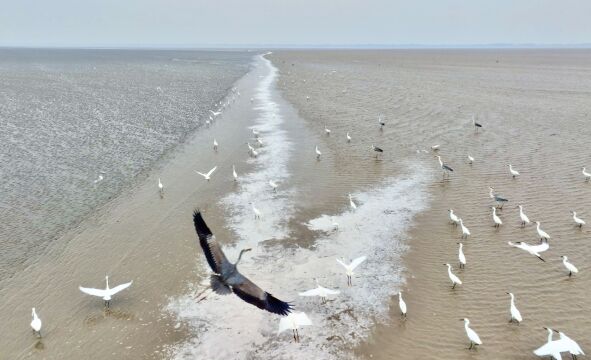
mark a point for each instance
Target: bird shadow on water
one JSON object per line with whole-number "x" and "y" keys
{"x": 95, "y": 318}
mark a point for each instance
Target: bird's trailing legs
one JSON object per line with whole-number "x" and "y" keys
{"x": 349, "y": 281}
{"x": 199, "y": 296}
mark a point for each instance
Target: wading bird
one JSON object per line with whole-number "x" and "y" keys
{"x": 320, "y": 291}
{"x": 445, "y": 168}
{"x": 257, "y": 212}
{"x": 350, "y": 267}
{"x": 381, "y": 122}
{"x": 401, "y": 304}
{"x": 580, "y": 222}
{"x": 541, "y": 233}
{"x": 498, "y": 199}
{"x": 377, "y": 150}
{"x": 106, "y": 294}
{"x": 318, "y": 153}
{"x": 208, "y": 175}
{"x": 586, "y": 174}
{"x": 475, "y": 124}
{"x": 234, "y": 173}
{"x": 470, "y": 159}
{"x": 455, "y": 220}
{"x": 326, "y": 130}
{"x": 472, "y": 335}
{"x": 523, "y": 217}
{"x": 569, "y": 266}
{"x": 227, "y": 279}
{"x": 496, "y": 218}
{"x": 273, "y": 185}
{"x": 513, "y": 172}
{"x": 454, "y": 279}
{"x": 294, "y": 321}
{"x": 36, "y": 323}
{"x": 461, "y": 256}
{"x": 215, "y": 145}
{"x": 550, "y": 348}
{"x": 352, "y": 203}
{"x": 465, "y": 231}
{"x": 515, "y": 314}
{"x": 160, "y": 188}
{"x": 568, "y": 344}
{"x": 532, "y": 250}
{"x": 348, "y": 137}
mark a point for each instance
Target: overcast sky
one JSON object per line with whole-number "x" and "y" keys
{"x": 239, "y": 22}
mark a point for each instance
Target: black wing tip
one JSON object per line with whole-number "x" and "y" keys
{"x": 200, "y": 225}
{"x": 277, "y": 306}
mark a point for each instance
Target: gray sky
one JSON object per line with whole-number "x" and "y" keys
{"x": 218, "y": 22}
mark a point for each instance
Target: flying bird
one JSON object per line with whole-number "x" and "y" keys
{"x": 528, "y": 248}
{"x": 320, "y": 291}
{"x": 107, "y": 293}
{"x": 550, "y": 348}
{"x": 227, "y": 279}
{"x": 215, "y": 113}
{"x": 294, "y": 321}
{"x": 567, "y": 344}
{"x": 36, "y": 323}
{"x": 208, "y": 175}
{"x": 350, "y": 267}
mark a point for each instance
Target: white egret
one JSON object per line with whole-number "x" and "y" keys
{"x": 326, "y": 130}
{"x": 106, "y": 294}
{"x": 257, "y": 212}
{"x": 401, "y": 304}
{"x": 294, "y": 321}
{"x": 234, "y": 173}
{"x": 550, "y": 348}
{"x": 568, "y": 344}
{"x": 318, "y": 153}
{"x": 160, "y": 188}
{"x": 496, "y": 218}
{"x": 208, "y": 175}
{"x": 526, "y": 247}
{"x": 586, "y": 174}
{"x": 569, "y": 266}
{"x": 455, "y": 220}
{"x": 273, "y": 185}
{"x": 513, "y": 172}
{"x": 543, "y": 235}
{"x": 461, "y": 256}
{"x": 465, "y": 231}
{"x": 580, "y": 222}
{"x": 470, "y": 159}
{"x": 215, "y": 145}
{"x": 348, "y": 137}
{"x": 352, "y": 203}
{"x": 472, "y": 335}
{"x": 36, "y": 323}
{"x": 454, "y": 279}
{"x": 515, "y": 314}
{"x": 523, "y": 217}
{"x": 320, "y": 291}
{"x": 350, "y": 267}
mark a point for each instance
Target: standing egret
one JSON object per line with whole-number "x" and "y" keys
{"x": 215, "y": 145}
{"x": 461, "y": 256}
{"x": 446, "y": 169}
{"x": 326, "y": 130}
{"x": 294, "y": 321}
{"x": 523, "y": 217}
{"x": 475, "y": 124}
{"x": 377, "y": 150}
{"x": 36, "y": 323}
{"x": 318, "y": 153}
{"x": 513, "y": 172}
{"x": 350, "y": 267}
{"x": 227, "y": 279}
{"x": 352, "y": 203}
{"x": 320, "y": 291}
{"x": 273, "y": 185}
{"x": 160, "y": 188}
{"x": 454, "y": 279}
{"x": 580, "y": 222}
{"x": 532, "y": 250}
{"x": 496, "y": 218}
{"x": 465, "y": 231}
{"x": 472, "y": 335}
{"x": 234, "y": 173}
{"x": 470, "y": 159}
{"x": 401, "y": 304}
{"x": 569, "y": 266}
{"x": 541, "y": 233}
{"x": 381, "y": 122}
{"x": 455, "y": 220}
{"x": 568, "y": 344}
{"x": 498, "y": 199}
{"x": 550, "y": 348}
{"x": 586, "y": 174}
{"x": 348, "y": 137}
{"x": 208, "y": 175}
{"x": 257, "y": 212}
{"x": 515, "y": 314}
{"x": 106, "y": 294}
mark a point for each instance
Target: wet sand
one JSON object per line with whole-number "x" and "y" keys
{"x": 534, "y": 107}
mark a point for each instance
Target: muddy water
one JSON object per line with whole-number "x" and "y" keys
{"x": 534, "y": 105}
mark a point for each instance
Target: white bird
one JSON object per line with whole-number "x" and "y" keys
{"x": 401, "y": 304}
{"x": 523, "y": 217}
{"x": 461, "y": 256}
{"x": 569, "y": 266}
{"x": 472, "y": 335}
{"x": 326, "y": 130}
{"x": 234, "y": 173}
{"x": 215, "y": 145}
{"x": 215, "y": 113}
{"x": 348, "y": 137}
{"x": 586, "y": 174}
{"x": 260, "y": 142}
{"x": 255, "y": 132}
{"x": 257, "y": 213}
{"x": 320, "y": 291}
{"x": 99, "y": 179}
{"x": 350, "y": 267}
{"x": 532, "y": 250}
{"x": 568, "y": 344}
{"x": 273, "y": 185}
{"x": 318, "y": 153}
{"x": 455, "y": 220}
{"x": 435, "y": 147}
{"x": 541, "y": 233}
{"x": 470, "y": 159}
{"x": 352, "y": 203}
{"x": 335, "y": 225}
{"x": 36, "y": 323}
{"x": 160, "y": 188}
{"x": 550, "y": 348}
{"x": 580, "y": 222}
{"x": 107, "y": 293}
{"x": 454, "y": 279}
{"x": 208, "y": 175}
{"x": 294, "y": 321}
{"x": 465, "y": 231}
{"x": 496, "y": 218}
{"x": 515, "y": 314}
{"x": 513, "y": 172}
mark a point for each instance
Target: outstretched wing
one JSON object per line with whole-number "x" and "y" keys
{"x": 202, "y": 174}
{"x": 342, "y": 263}
{"x": 331, "y": 291}
{"x": 252, "y": 294}
{"x": 211, "y": 171}
{"x": 118, "y": 288}
{"x": 212, "y": 250}
{"x": 302, "y": 319}
{"x": 357, "y": 261}
{"x": 313, "y": 292}
{"x": 284, "y": 324}
{"x": 93, "y": 292}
